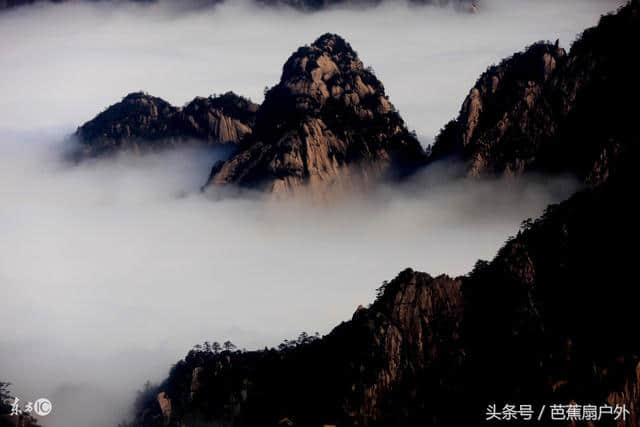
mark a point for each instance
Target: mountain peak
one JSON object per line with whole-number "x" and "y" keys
{"x": 330, "y": 43}
{"x": 140, "y": 96}
{"x": 326, "y": 57}
{"x": 328, "y": 122}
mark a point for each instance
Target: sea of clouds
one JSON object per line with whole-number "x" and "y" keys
{"x": 111, "y": 270}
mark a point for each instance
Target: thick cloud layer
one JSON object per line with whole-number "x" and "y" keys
{"x": 110, "y": 271}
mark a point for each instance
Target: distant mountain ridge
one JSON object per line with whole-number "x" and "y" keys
{"x": 314, "y": 5}
{"x": 141, "y": 122}
{"x": 328, "y": 125}
{"x": 305, "y": 5}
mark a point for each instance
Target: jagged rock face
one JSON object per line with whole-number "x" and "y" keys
{"x": 543, "y": 110}
{"x": 412, "y": 336}
{"x": 327, "y": 123}
{"x": 226, "y": 119}
{"x": 141, "y": 122}
{"x": 497, "y": 110}
{"x": 165, "y": 407}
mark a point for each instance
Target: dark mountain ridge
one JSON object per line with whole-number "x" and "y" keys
{"x": 533, "y": 326}
{"x": 308, "y": 382}
{"x": 141, "y": 122}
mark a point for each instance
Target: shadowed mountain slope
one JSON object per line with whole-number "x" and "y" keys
{"x": 141, "y": 122}
{"x": 551, "y": 320}
{"x": 545, "y": 110}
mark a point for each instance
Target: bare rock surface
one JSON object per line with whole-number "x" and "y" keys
{"x": 327, "y": 123}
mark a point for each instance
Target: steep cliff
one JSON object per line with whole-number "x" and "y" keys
{"x": 141, "y": 122}
{"x": 545, "y": 110}
{"x": 327, "y": 123}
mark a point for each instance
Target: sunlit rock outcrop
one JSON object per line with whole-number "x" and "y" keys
{"x": 327, "y": 124}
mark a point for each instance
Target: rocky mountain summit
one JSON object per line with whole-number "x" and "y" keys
{"x": 550, "y": 111}
{"x": 141, "y": 122}
{"x": 328, "y": 122}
